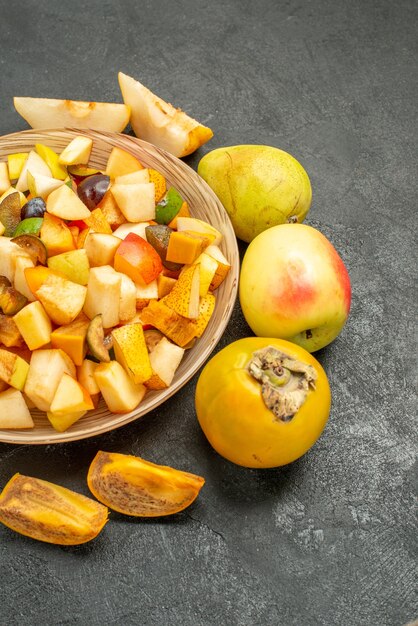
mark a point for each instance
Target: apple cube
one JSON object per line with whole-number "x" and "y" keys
{"x": 136, "y": 201}
{"x": 14, "y": 412}
{"x": 223, "y": 265}
{"x": 13, "y": 369}
{"x": 34, "y": 325}
{"x": 35, "y": 165}
{"x": 70, "y": 397}
{"x": 71, "y": 338}
{"x": 77, "y": 152}
{"x": 119, "y": 391}
{"x": 127, "y": 301}
{"x": 184, "y": 296}
{"x": 62, "y": 299}
{"x": 45, "y": 372}
{"x": 73, "y": 264}
{"x": 136, "y": 258}
{"x": 103, "y": 295}
{"x": 121, "y": 162}
{"x": 56, "y": 235}
{"x": 131, "y": 351}
{"x": 165, "y": 359}
{"x": 101, "y": 248}
{"x": 64, "y": 203}
{"x": 85, "y": 376}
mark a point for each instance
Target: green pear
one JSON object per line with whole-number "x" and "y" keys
{"x": 259, "y": 186}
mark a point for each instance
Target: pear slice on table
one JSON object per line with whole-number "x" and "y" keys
{"x": 53, "y": 113}
{"x": 159, "y": 122}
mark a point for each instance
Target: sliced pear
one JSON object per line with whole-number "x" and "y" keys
{"x": 184, "y": 296}
{"x": 35, "y": 165}
{"x": 77, "y": 151}
{"x": 160, "y": 123}
{"x": 51, "y": 159}
{"x": 136, "y": 201}
{"x": 41, "y": 186}
{"x": 53, "y": 113}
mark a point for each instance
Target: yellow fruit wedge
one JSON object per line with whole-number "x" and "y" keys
{"x": 47, "y": 512}
{"x": 184, "y": 296}
{"x": 4, "y": 177}
{"x": 133, "y": 486}
{"x": 51, "y": 159}
{"x": 131, "y": 351}
{"x": 158, "y": 122}
{"x": 53, "y": 113}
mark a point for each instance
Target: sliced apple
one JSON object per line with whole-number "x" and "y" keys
{"x": 13, "y": 369}
{"x": 121, "y": 162}
{"x": 77, "y": 152}
{"x": 103, "y": 295}
{"x": 34, "y": 164}
{"x": 45, "y": 372}
{"x": 14, "y": 412}
{"x": 53, "y": 113}
{"x": 51, "y": 159}
{"x": 73, "y": 264}
{"x": 118, "y": 389}
{"x": 165, "y": 359}
{"x": 136, "y": 201}
{"x": 34, "y": 325}
{"x": 62, "y": 299}
{"x": 64, "y": 203}
{"x": 160, "y": 123}
{"x": 101, "y": 248}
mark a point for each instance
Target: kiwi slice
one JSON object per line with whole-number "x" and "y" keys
{"x": 96, "y": 339}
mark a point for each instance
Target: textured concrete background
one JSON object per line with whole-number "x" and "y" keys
{"x": 329, "y": 540}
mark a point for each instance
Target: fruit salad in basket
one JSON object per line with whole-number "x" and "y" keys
{"x": 105, "y": 280}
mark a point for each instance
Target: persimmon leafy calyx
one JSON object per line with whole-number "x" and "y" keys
{"x": 285, "y": 382}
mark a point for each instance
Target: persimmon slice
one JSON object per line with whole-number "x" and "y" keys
{"x": 133, "y": 486}
{"x": 51, "y": 513}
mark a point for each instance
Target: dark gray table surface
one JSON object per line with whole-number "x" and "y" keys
{"x": 330, "y": 539}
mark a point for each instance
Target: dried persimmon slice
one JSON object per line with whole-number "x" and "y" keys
{"x": 132, "y": 486}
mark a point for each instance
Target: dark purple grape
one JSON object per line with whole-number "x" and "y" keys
{"x": 35, "y": 207}
{"x": 92, "y": 189}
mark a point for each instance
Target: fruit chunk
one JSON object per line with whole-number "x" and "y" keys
{"x": 4, "y": 177}
{"x": 11, "y": 300}
{"x": 121, "y": 162}
{"x": 20, "y": 282}
{"x": 34, "y": 325}
{"x": 15, "y": 163}
{"x": 223, "y": 265}
{"x": 77, "y": 152}
{"x": 127, "y": 300}
{"x": 10, "y": 213}
{"x": 136, "y": 201}
{"x": 97, "y": 221}
{"x": 133, "y": 486}
{"x": 47, "y": 512}
{"x": 45, "y": 372}
{"x": 136, "y": 258}
{"x": 119, "y": 391}
{"x": 184, "y": 297}
{"x": 51, "y": 159}
{"x": 8, "y": 192}
{"x": 158, "y": 235}
{"x": 206, "y": 308}
{"x": 111, "y": 211}
{"x": 41, "y": 186}
{"x": 54, "y": 113}
{"x": 34, "y": 247}
{"x": 160, "y": 123}
{"x": 165, "y": 359}
{"x": 165, "y": 285}
{"x": 56, "y": 235}
{"x": 95, "y": 340}
{"x": 159, "y": 183}
{"x": 62, "y": 421}
{"x": 9, "y": 332}
{"x": 35, "y": 165}
{"x": 70, "y": 397}
{"x": 177, "y": 328}
{"x": 13, "y": 369}
{"x": 74, "y": 265}
{"x": 85, "y": 376}
{"x": 62, "y": 299}
{"x": 168, "y": 207}
{"x": 194, "y": 225}
{"x": 14, "y": 412}
{"x": 141, "y": 176}
{"x": 145, "y": 293}
{"x": 71, "y": 338}
{"x": 208, "y": 267}
{"x": 103, "y": 295}
{"x": 101, "y": 248}
{"x": 64, "y": 203}
{"x": 131, "y": 351}
{"x": 185, "y": 247}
